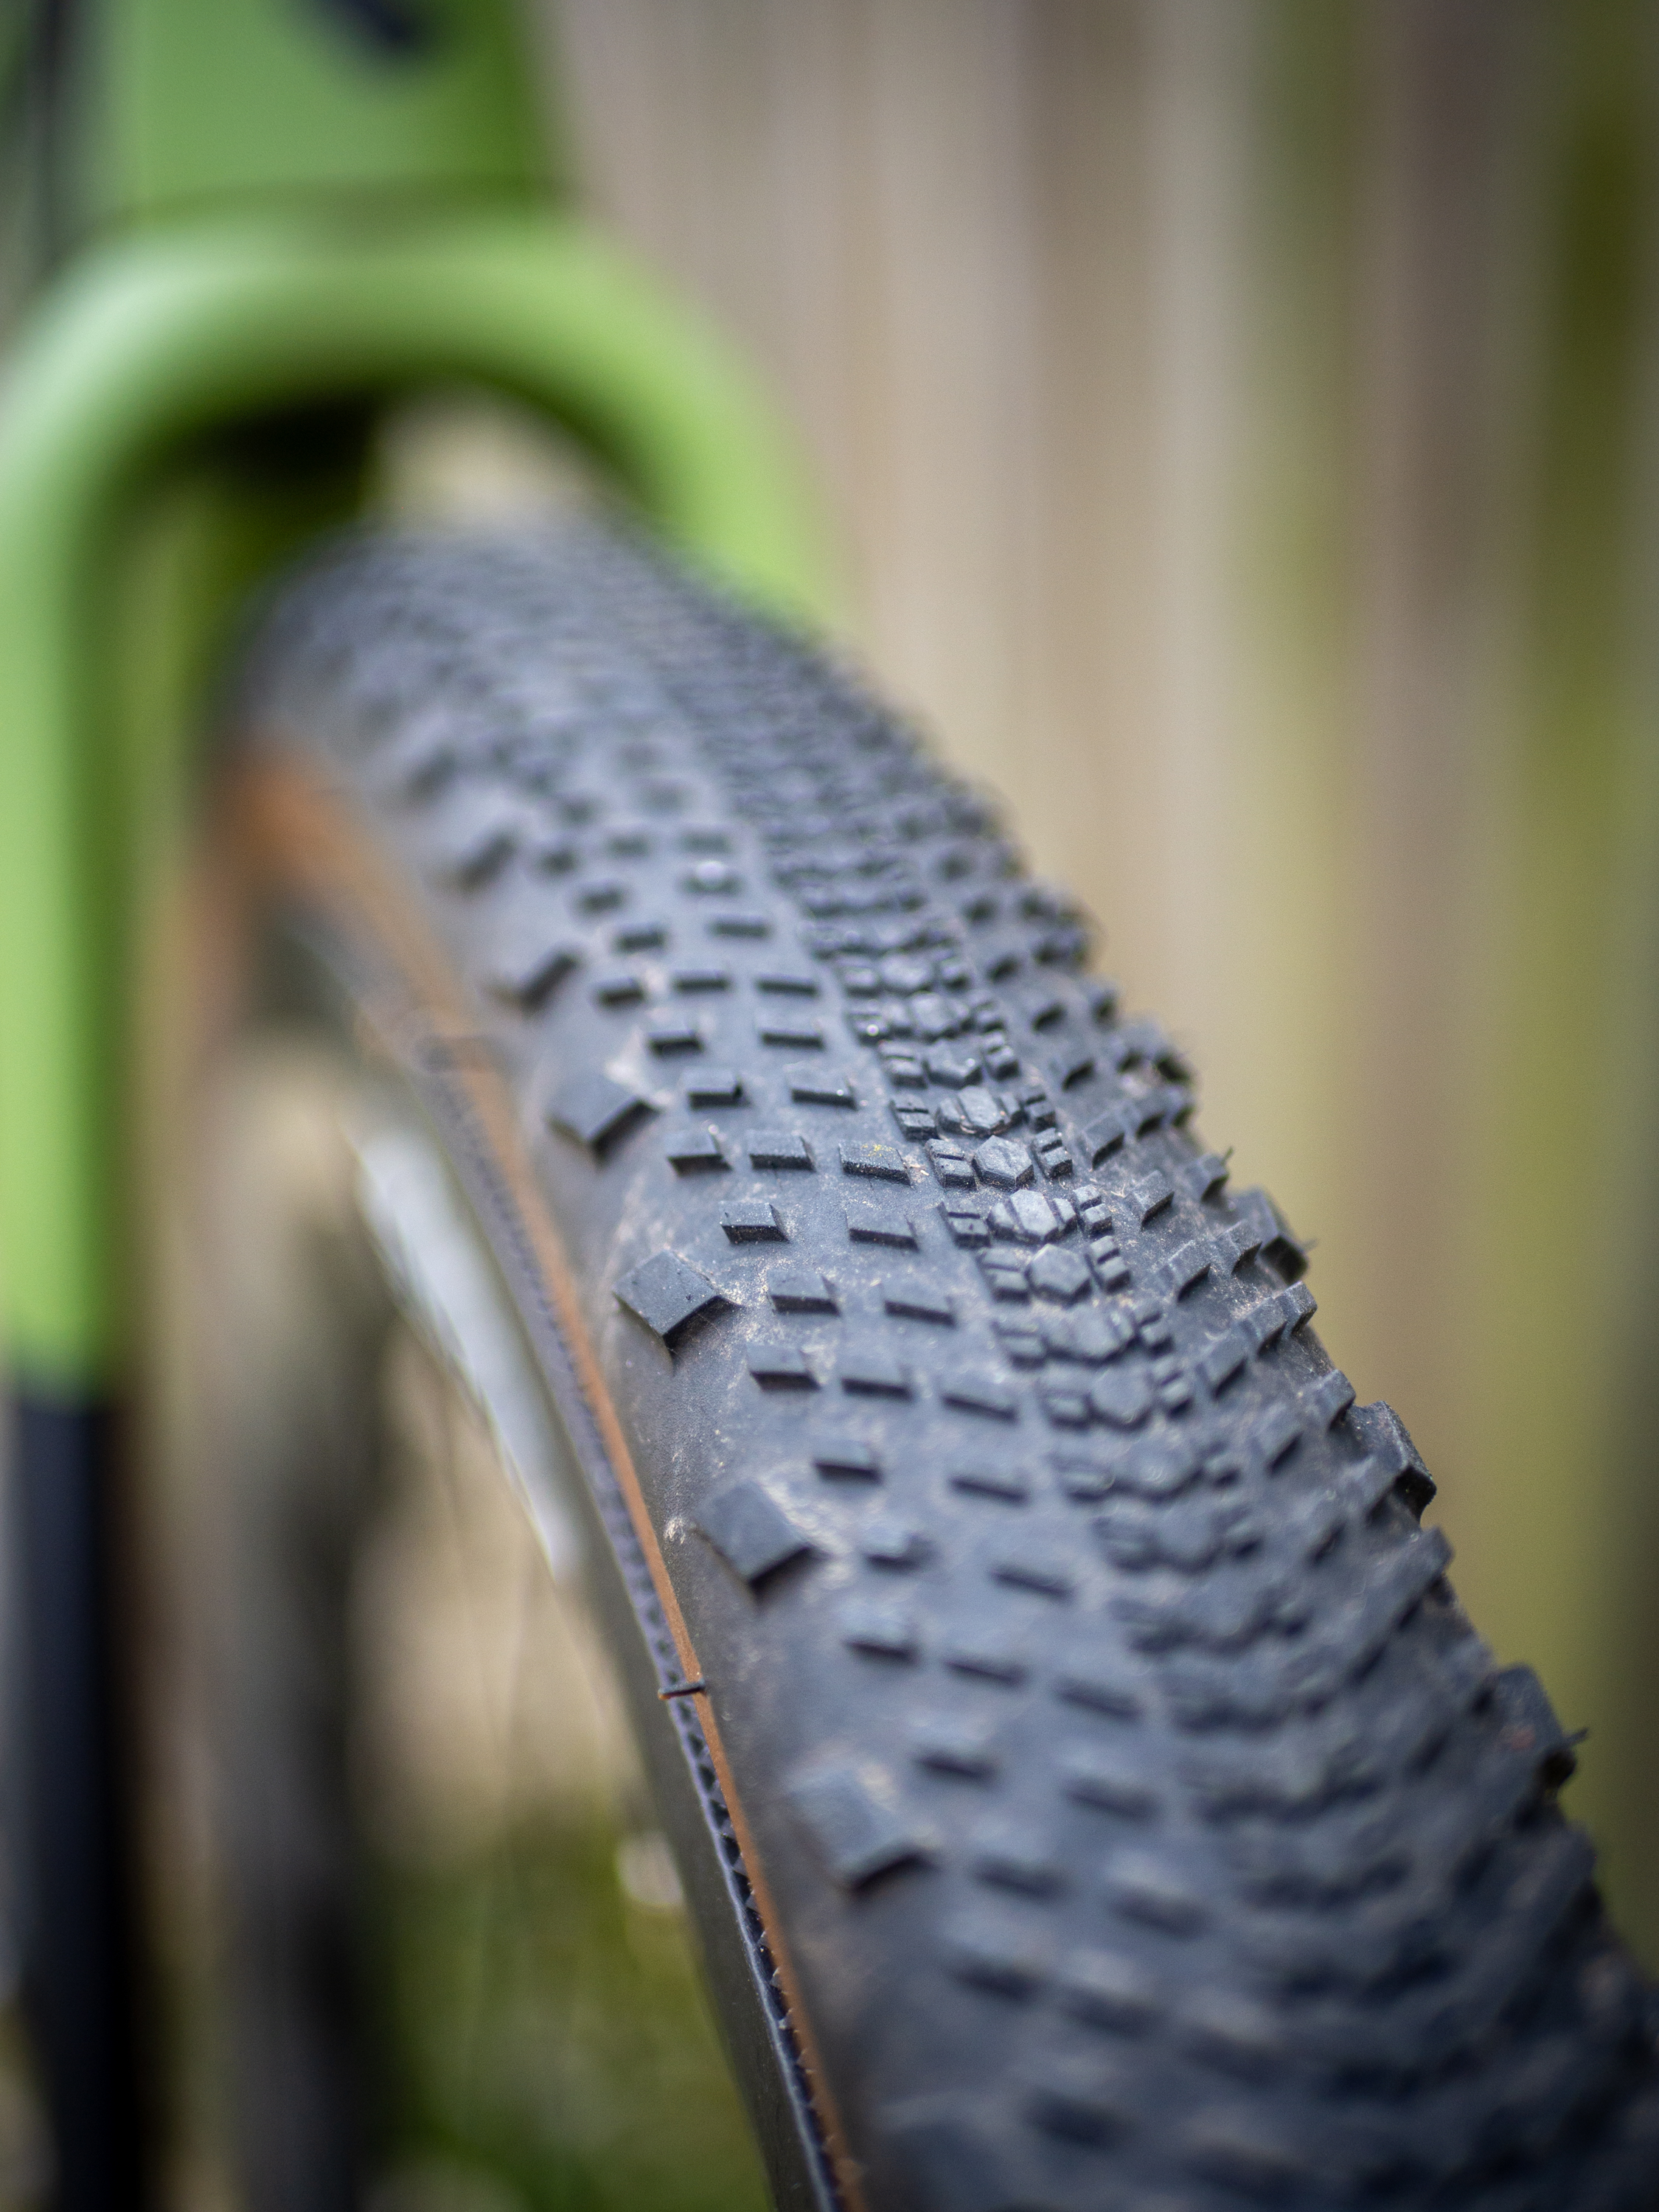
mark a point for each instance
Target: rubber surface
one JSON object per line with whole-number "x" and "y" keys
{"x": 1135, "y": 1819}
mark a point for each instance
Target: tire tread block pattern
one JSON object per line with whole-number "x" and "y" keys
{"x": 1145, "y": 1824}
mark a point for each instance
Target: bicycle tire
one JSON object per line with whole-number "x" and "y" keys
{"x": 1088, "y": 1788}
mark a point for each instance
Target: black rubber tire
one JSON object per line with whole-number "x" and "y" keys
{"x": 1098, "y": 1798}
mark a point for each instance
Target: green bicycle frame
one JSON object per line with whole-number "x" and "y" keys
{"x": 273, "y": 220}
{"x": 269, "y": 218}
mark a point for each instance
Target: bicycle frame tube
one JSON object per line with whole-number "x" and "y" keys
{"x": 184, "y": 107}
{"x": 292, "y": 205}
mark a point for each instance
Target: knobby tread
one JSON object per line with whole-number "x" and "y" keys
{"x": 1145, "y": 1823}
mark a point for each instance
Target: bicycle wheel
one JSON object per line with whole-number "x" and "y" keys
{"x": 1088, "y": 1787}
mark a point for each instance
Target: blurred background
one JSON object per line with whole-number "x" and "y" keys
{"x": 1239, "y": 423}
